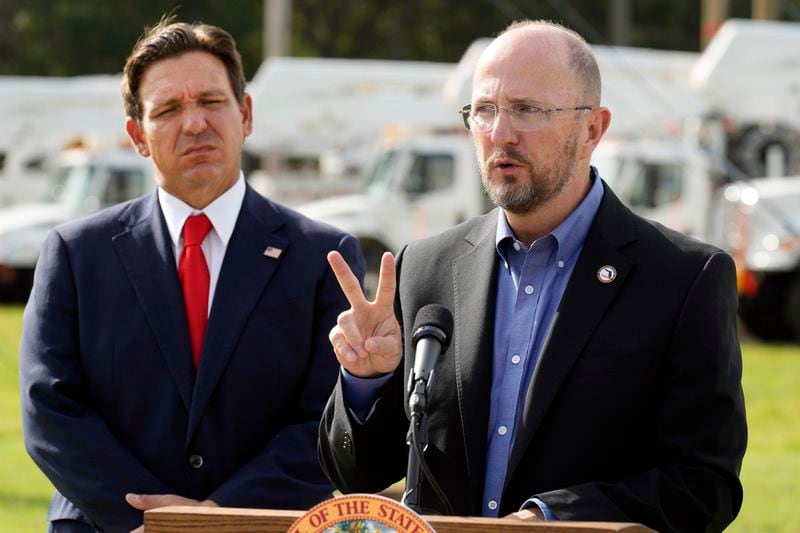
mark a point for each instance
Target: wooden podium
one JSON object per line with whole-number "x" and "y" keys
{"x": 228, "y": 520}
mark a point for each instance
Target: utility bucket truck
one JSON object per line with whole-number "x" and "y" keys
{"x": 43, "y": 115}
{"x": 710, "y": 181}
{"x": 676, "y": 146}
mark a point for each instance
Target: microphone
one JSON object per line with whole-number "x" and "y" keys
{"x": 433, "y": 328}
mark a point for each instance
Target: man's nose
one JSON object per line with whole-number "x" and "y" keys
{"x": 194, "y": 121}
{"x": 503, "y": 131}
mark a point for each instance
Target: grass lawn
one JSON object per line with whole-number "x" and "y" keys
{"x": 24, "y": 491}
{"x": 770, "y": 472}
{"x": 771, "y": 467}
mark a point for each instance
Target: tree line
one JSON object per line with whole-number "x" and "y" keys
{"x": 74, "y": 37}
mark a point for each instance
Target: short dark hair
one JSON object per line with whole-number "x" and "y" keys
{"x": 582, "y": 58}
{"x": 170, "y": 39}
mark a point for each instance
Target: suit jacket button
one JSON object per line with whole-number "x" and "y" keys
{"x": 195, "y": 461}
{"x": 347, "y": 443}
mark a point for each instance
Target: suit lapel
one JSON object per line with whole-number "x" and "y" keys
{"x": 245, "y": 272}
{"x": 474, "y": 278}
{"x": 145, "y": 250}
{"x": 582, "y": 307}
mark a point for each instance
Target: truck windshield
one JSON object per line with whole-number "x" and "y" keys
{"x": 379, "y": 178}
{"x": 72, "y": 184}
{"x": 783, "y": 209}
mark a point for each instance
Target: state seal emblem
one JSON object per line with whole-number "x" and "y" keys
{"x": 360, "y": 513}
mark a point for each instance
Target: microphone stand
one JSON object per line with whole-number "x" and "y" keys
{"x": 417, "y": 440}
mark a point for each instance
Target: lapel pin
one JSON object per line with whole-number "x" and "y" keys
{"x": 273, "y": 252}
{"x": 607, "y": 274}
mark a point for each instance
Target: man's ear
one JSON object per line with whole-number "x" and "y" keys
{"x": 597, "y": 125}
{"x": 134, "y": 130}
{"x": 246, "y": 109}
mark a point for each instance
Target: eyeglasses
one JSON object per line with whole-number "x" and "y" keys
{"x": 524, "y": 117}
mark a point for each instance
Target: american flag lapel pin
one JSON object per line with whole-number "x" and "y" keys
{"x": 273, "y": 252}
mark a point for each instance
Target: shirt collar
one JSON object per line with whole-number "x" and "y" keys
{"x": 571, "y": 233}
{"x": 222, "y": 212}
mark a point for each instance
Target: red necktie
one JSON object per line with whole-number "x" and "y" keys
{"x": 194, "y": 278}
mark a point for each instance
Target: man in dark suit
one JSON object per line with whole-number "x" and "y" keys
{"x": 175, "y": 347}
{"x": 594, "y": 371}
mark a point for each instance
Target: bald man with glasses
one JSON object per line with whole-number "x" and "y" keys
{"x": 594, "y": 371}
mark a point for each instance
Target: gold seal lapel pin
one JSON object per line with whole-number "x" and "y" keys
{"x": 606, "y": 274}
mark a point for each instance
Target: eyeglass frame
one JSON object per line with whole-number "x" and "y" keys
{"x": 466, "y": 111}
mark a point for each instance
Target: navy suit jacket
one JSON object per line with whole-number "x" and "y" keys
{"x": 635, "y": 412}
{"x": 110, "y": 401}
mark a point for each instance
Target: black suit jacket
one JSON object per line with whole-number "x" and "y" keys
{"x": 634, "y": 413}
{"x": 110, "y": 401}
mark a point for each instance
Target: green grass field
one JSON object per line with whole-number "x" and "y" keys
{"x": 771, "y": 467}
{"x": 24, "y": 491}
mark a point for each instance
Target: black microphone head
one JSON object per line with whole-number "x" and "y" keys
{"x": 431, "y": 318}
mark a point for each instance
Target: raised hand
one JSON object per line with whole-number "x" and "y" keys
{"x": 366, "y": 337}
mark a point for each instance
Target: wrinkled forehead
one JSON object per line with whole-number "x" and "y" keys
{"x": 190, "y": 72}
{"x": 527, "y": 63}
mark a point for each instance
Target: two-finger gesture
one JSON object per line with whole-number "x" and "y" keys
{"x": 366, "y": 337}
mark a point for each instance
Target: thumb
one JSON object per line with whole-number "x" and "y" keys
{"x": 144, "y": 502}
{"x": 382, "y": 346}
{"x": 137, "y": 501}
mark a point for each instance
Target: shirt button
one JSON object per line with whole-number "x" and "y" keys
{"x": 196, "y": 461}
{"x": 528, "y": 289}
{"x": 502, "y": 430}
{"x": 516, "y": 246}
{"x": 492, "y": 505}
{"x": 561, "y": 263}
{"x": 516, "y": 359}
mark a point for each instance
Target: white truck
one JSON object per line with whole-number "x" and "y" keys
{"x": 44, "y": 115}
{"x": 759, "y": 223}
{"x": 757, "y": 220}
{"x": 416, "y": 187}
{"x": 83, "y": 182}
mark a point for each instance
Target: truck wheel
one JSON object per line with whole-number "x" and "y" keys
{"x": 18, "y": 290}
{"x": 763, "y": 315}
{"x": 792, "y": 309}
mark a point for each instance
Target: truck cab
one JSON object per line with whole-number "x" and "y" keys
{"x": 416, "y": 187}
{"x": 666, "y": 181}
{"x": 756, "y": 220}
{"x": 83, "y": 182}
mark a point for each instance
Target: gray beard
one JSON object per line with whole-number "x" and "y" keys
{"x": 541, "y": 186}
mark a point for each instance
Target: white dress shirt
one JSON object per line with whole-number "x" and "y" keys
{"x": 222, "y": 213}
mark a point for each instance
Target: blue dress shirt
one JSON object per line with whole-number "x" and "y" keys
{"x": 530, "y": 283}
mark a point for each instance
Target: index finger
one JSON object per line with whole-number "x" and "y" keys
{"x": 347, "y": 280}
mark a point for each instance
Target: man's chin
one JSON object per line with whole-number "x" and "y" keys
{"x": 511, "y": 198}
{"x": 514, "y": 205}
{"x": 202, "y": 171}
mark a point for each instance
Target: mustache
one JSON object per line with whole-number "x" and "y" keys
{"x": 509, "y": 153}
{"x": 205, "y": 138}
